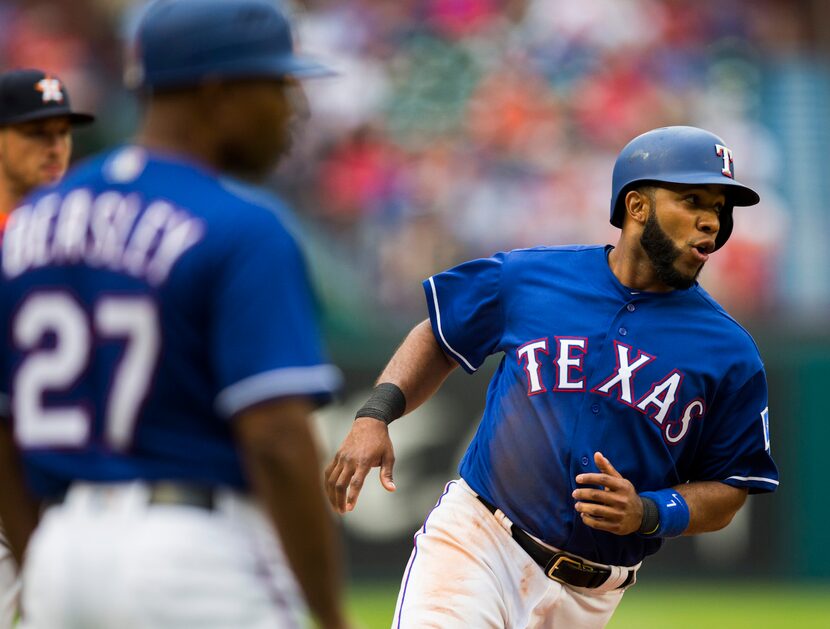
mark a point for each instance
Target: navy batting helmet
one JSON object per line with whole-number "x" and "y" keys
{"x": 180, "y": 43}
{"x": 685, "y": 155}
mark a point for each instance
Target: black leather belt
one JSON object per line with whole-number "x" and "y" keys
{"x": 168, "y": 493}
{"x": 560, "y": 566}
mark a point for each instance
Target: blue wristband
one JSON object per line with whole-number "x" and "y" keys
{"x": 673, "y": 512}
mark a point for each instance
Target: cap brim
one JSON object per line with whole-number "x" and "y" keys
{"x": 305, "y": 68}
{"x": 75, "y": 118}
{"x": 739, "y": 194}
{"x": 743, "y": 196}
{"x": 258, "y": 67}
{"x": 79, "y": 119}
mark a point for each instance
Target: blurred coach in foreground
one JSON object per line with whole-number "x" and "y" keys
{"x": 164, "y": 356}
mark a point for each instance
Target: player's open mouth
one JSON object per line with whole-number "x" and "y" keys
{"x": 703, "y": 249}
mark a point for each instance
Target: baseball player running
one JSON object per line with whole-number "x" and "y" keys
{"x": 163, "y": 358}
{"x": 36, "y": 120}
{"x": 628, "y": 406}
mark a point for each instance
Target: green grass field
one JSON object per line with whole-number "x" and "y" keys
{"x": 675, "y": 606}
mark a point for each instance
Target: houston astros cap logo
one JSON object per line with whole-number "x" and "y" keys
{"x": 31, "y": 94}
{"x": 51, "y": 88}
{"x": 726, "y": 154}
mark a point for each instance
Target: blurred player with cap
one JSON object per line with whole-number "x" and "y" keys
{"x": 163, "y": 355}
{"x": 36, "y": 120}
{"x": 35, "y": 140}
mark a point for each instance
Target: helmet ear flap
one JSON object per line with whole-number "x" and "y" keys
{"x": 726, "y": 225}
{"x": 619, "y": 210}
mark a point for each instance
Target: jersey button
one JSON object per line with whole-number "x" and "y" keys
{"x": 595, "y": 408}
{"x": 631, "y": 307}
{"x": 585, "y": 461}
{"x": 623, "y": 331}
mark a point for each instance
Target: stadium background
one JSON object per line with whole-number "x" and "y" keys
{"x": 461, "y": 127}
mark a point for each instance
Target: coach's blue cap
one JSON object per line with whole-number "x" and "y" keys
{"x": 180, "y": 43}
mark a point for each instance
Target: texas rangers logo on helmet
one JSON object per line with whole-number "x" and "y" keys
{"x": 726, "y": 154}
{"x": 51, "y": 88}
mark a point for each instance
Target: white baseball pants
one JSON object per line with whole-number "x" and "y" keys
{"x": 467, "y": 571}
{"x": 106, "y": 558}
{"x": 9, "y": 585}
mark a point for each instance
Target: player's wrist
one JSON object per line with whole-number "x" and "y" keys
{"x": 651, "y": 517}
{"x": 665, "y": 514}
{"x": 387, "y": 403}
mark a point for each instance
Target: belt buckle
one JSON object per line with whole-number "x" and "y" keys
{"x": 561, "y": 558}
{"x": 181, "y": 494}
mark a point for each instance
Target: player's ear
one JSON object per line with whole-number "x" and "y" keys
{"x": 638, "y": 205}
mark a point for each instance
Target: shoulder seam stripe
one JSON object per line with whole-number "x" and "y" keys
{"x": 754, "y": 478}
{"x": 283, "y": 381}
{"x": 438, "y": 324}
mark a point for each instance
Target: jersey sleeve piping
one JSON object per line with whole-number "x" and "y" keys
{"x": 760, "y": 479}
{"x": 287, "y": 381}
{"x": 443, "y": 339}
{"x": 753, "y": 483}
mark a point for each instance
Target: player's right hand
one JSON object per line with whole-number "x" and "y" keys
{"x": 366, "y": 446}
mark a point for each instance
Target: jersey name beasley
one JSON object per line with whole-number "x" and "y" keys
{"x": 666, "y": 385}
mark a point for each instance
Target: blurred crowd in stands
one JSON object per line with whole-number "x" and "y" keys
{"x": 457, "y": 128}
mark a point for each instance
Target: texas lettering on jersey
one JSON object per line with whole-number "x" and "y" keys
{"x": 569, "y": 354}
{"x": 667, "y": 386}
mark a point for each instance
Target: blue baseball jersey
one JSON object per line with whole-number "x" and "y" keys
{"x": 146, "y": 303}
{"x": 666, "y": 385}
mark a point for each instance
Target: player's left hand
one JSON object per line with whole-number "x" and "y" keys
{"x": 617, "y": 508}
{"x": 366, "y": 446}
